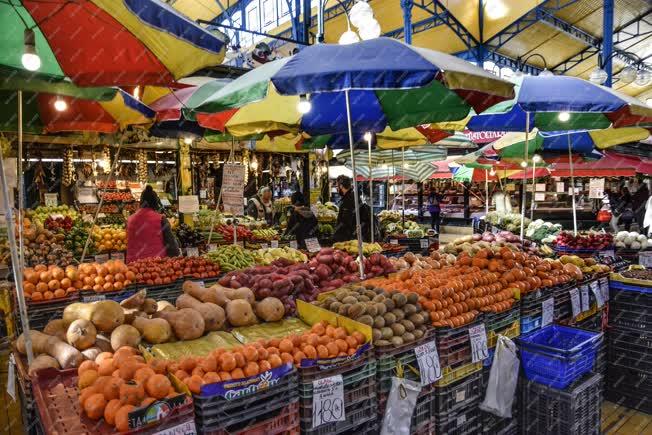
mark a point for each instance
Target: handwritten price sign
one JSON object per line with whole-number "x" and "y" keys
{"x": 428, "y": 360}
{"x": 328, "y": 400}
{"x": 478, "y": 338}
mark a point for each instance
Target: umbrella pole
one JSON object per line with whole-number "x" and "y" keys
{"x": 486, "y": 192}
{"x": 524, "y": 196}
{"x": 534, "y": 170}
{"x": 17, "y": 255}
{"x": 371, "y": 192}
{"x": 570, "y": 162}
{"x": 403, "y": 183}
{"x": 355, "y": 187}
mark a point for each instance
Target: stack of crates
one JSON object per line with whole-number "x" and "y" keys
{"x": 629, "y": 347}
{"x": 531, "y": 309}
{"x": 275, "y": 406}
{"x": 359, "y": 389}
{"x": 574, "y": 410}
{"x": 389, "y": 359}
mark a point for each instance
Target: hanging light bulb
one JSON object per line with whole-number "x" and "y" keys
{"x": 563, "y": 116}
{"x": 360, "y": 13}
{"x": 30, "y": 59}
{"x": 349, "y": 37}
{"x": 627, "y": 75}
{"x": 643, "y": 78}
{"x": 304, "y": 105}
{"x": 536, "y": 158}
{"x": 136, "y": 93}
{"x": 546, "y": 73}
{"x": 492, "y": 172}
{"x": 367, "y": 136}
{"x": 598, "y": 76}
{"x": 60, "y": 104}
{"x": 369, "y": 30}
{"x": 523, "y": 164}
{"x": 187, "y": 140}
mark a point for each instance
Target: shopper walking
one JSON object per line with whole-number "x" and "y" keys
{"x": 148, "y": 232}
{"x": 261, "y": 206}
{"x": 434, "y": 208}
{"x": 302, "y": 223}
{"x": 346, "y": 224}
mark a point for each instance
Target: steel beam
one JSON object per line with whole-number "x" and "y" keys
{"x": 228, "y": 12}
{"x": 440, "y": 12}
{"x": 406, "y": 5}
{"x": 329, "y": 14}
{"x": 500, "y": 60}
{"x": 608, "y": 39}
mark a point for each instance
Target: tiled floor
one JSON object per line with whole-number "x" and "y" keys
{"x": 618, "y": 420}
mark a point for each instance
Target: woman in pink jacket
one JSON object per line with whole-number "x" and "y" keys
{"x": 148, "y": 232}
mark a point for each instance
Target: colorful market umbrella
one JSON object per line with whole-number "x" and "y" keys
{"x": 388, "y": 139}
{"x": 611, "y": 165}
{"x": 418, "y": 172}
{"x": 107, "y": 42}
{"x": 114, "y": 110}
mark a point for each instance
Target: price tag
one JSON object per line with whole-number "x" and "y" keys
{"x": 312, "y": 245}
{"x": 575, "y": 302}
{"x": 548, "y": 311}
{"x": 120, "y": 184}
{"x": 393, "y": 242}
{"x": 428, "y": 360}
{"x": 595, "y": 288}
{"x": 495, "y": 230}
{"x": 11, "y": 377}
{"x": 264, "y": 246}
{"x": 461, "y": 420}
{"x": 51, "y": 200}
{"x": 584, "y": 292}
{"x": 212, "y": 246}
{"x": 424, "y": 243}
{"x": 165, "y": 202}
{"x": 93, "y": 298}
{"x": 274, "y": 243}
{"x": 202, "y": 193}
{"x": 192, "y": 252}
{"x": 118, "y": 256}
{"x": 187, "y": 428}
{"x": 609, "y": 253}
{"x": 328, "y": 400}
{"x": 478, "y": 338}
{"x": 645, "y": 259}
{"x": 460, "y": 395}
{"x": 101, "y": 258}
{"x": 294, "y": 244}
{"x": 240, "y": 244}
{"x": 604, "y": 288}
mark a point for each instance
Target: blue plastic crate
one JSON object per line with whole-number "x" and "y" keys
{"x": 557, "y": 355}
{"x": 530, "y": 323}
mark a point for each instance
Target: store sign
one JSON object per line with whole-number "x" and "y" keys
{"x": 478, "y": 337}
{"x": 233, "y": 188}
{"x": 480, "y": 137}
{"x": 312, "y": 245}
{"x": 328, "y": 400}
{"x": 596, "y": 188}
{"x": 428, "y": 360}
{"x": 188, "y": 204}
{"x": 51, "y": 199}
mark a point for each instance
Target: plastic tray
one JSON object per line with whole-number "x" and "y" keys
{"x": 530, "y": 323}
{"x": 626, "y": 337}
{"x": 452, "y": 375}
{"x": 458, "y": 394}
{"x": 277, "y": 421}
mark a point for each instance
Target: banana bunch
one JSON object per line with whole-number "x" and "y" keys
{"x": 264, "y": 234}
{"x": 352, "y": 247}
{"x": 231, "y": 257}
{"x": 267, "y": 256}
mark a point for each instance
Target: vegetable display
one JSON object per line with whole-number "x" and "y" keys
{"x": 327, "y": 213}
{"x": 40, "y": 213}
{"x": 231, "y": 257}
{"x": 417, "y": 261}
{"x": 44, "y": 247}
{"x": 352, "y": 247}
{"x": 267, "y": 234}
{"x": 188, "y": 237}
{"x": 508, "y": 221}
{"x": 243, "y": 233}
{"x": 58, "y": 224}
{"x": 592, "y": 240}
{"x": 542, "y": 231}
{"x": 108, "y": 239}
{"x": 267, "y": 256}
{"x": 76, "y": 239}
{"x": 157, "y": 271}
{"x": 632, "y": 240}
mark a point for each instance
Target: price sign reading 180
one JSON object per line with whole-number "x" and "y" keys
{"x": 428, "y": 360}
{"x": 328, "y": 400}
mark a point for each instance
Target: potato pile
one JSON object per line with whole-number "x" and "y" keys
{"x": 396, "y": 318}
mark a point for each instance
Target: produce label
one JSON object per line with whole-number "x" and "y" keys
{"x": 393, "y": 242}
{"x": 575, "y": 301}
{"x": 548, "y": 311}
{"x": 51, "y": 200}
{"x": 478, "y": 338}
{"x": 101, "y": 258}
{"x": 428, "y": 360}
{"x": 192, "y": 252}
{"x": 645, "y": 259}
{"x": 609, "y": 253}
{"x": 264, "y": 246}
{"x": 595, "y": 288}
{"x": 294, "y": 244}
{"x": 312, "y": 244}
{"x": 604, "y": 288}
{"x": 424, "y": 243}
{"x": 233, "y": 188}
{"x": 274, "y": 243}
{"x": 584, "y": 292}
{"x": 329, "y": 363}
{"x": 93, "y": 298}
{"x": 235, "y": 389}
{"x": 188, "y": 204}
{"x": 118, "y": 256}
{"x": 328, "y": 400}
{"x": 157, "y": 411}
{"x": 596, "y": 188}
{"x": 11, "y": 377}
{"x": 187, "y": 428}
{"x": 212, "y": 247}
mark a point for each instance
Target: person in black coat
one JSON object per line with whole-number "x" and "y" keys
{"x": 345, "y": 228}
{"x": 302, "y": 223}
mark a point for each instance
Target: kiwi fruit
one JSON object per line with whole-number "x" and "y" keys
{"x": 399, "y": 299}
{"x": 378, "y": 290}
{"x": 380, "y": 308}
{"x": 408, "y": 337}
{"x": 329, "y": 300}
{"x": 400, "y": 315}
{"x": 389, "y": 318}
{"x": 378, "y": 298}
{"x": 409, "y": 326}
{"x": 381, "y": 343}
{"x": 363, "y": 298}
{"x": 349, "y": 300}
{"x": 379, "y": 322}
{"x": 387, "y": 332}
{"x": 356, "y": 310}
{"x": 366, "y": 319}
{"x": 371, "y": 309}
{"x": 343, "y": 309}
{"x": 398, "y": 329}
{"x": 334, "y": 306}
{"x": 370, "y": 294}
{"x": 417, "y": 333}
{"x": 389, "y": 303}
{"x": 341, "y": 294}
{"x": 409, "y": 309}
{"x": 417, "y": 319}
{"x": 376, "y": 334}
{"x": 397, "y": 341}
{"x": 387, "y": 295}
{"x": 412, "y": 298}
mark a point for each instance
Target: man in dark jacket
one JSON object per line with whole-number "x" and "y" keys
{"x": 302, "y": 222}
{"x": 346, "y": 225}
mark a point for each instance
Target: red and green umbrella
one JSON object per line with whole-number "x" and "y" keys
{"x": 107, "y": 42}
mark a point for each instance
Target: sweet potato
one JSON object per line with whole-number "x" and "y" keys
{"x": 66, "y": 355}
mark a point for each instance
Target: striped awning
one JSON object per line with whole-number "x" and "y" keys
{"x": 421, "y": 154}
{"x": 416, "y": 171}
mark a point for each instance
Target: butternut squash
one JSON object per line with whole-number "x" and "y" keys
{"x": 125, "y": 335}
{"x": 42, "y": 361}
{"x": 149, "y": 306}
{"x": 66, "y": 355}
{"x": 186, "y": 323}
{"x": 213, "y": 314}
{"x": 198, "y": 292}
{"x": 154, "y": 331}
{"x": 105, "y": 315}
{"x": 81, "y": 334}
{"x": 56, "y": 327}
{"x": 135, "y": 301}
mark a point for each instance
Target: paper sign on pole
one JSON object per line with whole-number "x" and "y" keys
{"x": 596, "y": 188}
{"x": 233, "y": 188}
{"x": 547, "y": 311}
{"x": 539, "y": 196}
{"x": 188, "y": 204}
{"x": 51, "y": 200}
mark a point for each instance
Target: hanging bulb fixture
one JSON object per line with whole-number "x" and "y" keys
{"x": 30, "y": 59}
{"x": 60, "y": 104}
{"x": 304, "y": 105}
{"x": 564, "y": 116}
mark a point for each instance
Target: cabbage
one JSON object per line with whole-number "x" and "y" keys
{"x": 620, "y": 244}
{"x": 629, "y": 240}
{"x": 635, "y": 245}
{"x": 641, "y": 238}
{"x": 633, "y": 234}
{"x": 621, "y": 235}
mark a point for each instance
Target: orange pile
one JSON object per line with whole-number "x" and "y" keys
{"x": 321, "y": 341}
{"x": 115, "y": 384}
{"x": 455, "y": 295}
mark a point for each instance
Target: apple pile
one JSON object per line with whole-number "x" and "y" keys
{"x": 592, "y": 240}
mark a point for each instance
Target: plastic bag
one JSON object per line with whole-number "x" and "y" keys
{"x": 400, "y": 407}
{"x": 503, "y": 378}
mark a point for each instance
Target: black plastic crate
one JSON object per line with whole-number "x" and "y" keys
{"x": 629, "y": 399}
{"x": 467, "y": 421}
{"x": 309, "y": 374}
{"x": 389, "y": 357}
{"x": 454, "y": 344}
{"x": 630, "y": 357}
{"x": 167, "y": 292}
{"x": 574, "y": 410}
{"x": 217, "y": 413}
{"x": 361, "y": 413}
{"x": 630, "y": 316}
{"x": 629, "y": 297}
{"x": 459, "y": 394}
{"x": 628, "y": 379}
{"x": 630, "y": 337}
